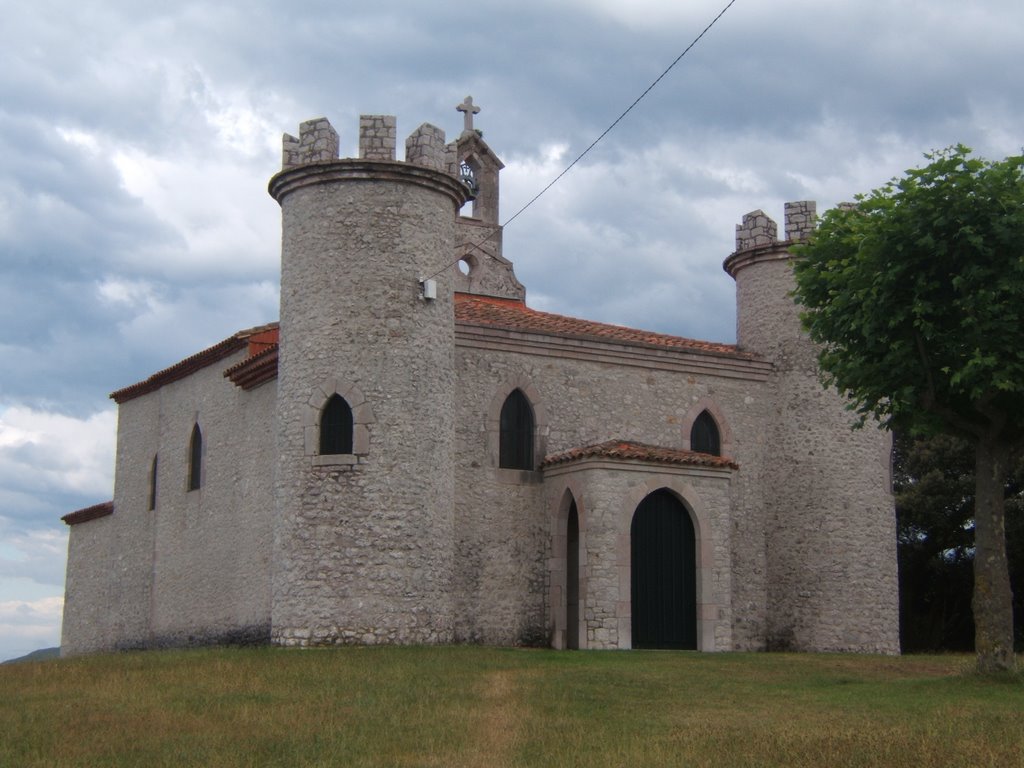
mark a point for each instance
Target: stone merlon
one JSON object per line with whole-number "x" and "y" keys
{"x": 377, "y": 137}
{"x": 317, "y": 142}
{"x": 758, "y": 229}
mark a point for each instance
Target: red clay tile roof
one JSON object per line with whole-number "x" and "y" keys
{"x": 255, "y": 370}
{"x": 259, "y": 336}
{"x": 630, "y": 451}
{"x": 514, "y": 315}
{"x": 470, "y": 309}
{"x": 263, "y": 338}
{"x": 504, "y": 314}
{"x": 89, "y": 513}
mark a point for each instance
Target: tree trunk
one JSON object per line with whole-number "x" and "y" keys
{"x": 993, "y": 600}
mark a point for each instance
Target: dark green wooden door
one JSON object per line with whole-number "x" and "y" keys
{"x": 572, "y": 580}
{"x": 664, "y": 574}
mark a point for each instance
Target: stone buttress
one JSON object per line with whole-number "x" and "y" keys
{"x": 363, "y": 546}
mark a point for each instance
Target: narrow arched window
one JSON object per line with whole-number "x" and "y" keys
{"x": 335, "y": 427}
{"x": 704, "y": 435}
{"x": 195, "y": 459}
{"x": 152, "y": 484}
{"x": 516, "y": 443}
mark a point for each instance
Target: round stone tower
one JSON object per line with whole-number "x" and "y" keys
{"x": 830, "y": 532}
{"x": 363, "y": 549}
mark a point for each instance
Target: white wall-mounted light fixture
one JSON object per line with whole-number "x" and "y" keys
{"x": 429, "y": 287}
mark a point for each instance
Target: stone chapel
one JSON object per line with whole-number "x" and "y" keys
{"x": 412, "y": 454}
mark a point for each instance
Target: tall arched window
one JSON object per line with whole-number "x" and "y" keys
{"x": 516, "y": 442}
{"x": 152, "y": 483}
{"x": 704, "y": 436}
{"x": 195, "y": 459}
{"x": 335, "y": 427}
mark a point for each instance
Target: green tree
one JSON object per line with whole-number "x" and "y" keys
{"x": 916, "y": 294}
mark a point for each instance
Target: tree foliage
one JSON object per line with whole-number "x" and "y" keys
{"x": 916, "y": 296}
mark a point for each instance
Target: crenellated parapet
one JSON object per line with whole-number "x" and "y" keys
{"x": 465, "y": 168}
{"x": 757, "y": 236}
{"x": 758, "y": 230}
{"x": 317, "y": 142}
{"x": 760, "y": 265}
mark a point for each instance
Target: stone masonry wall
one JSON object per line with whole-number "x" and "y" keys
{"x": 213, "y": 545}
{"x": 364, "y": 542}
{"x": 196, "y": 569}
{"x": 505, "y": 519}
{"x": 90, "y": 593}
{"x": 608, "y": 495}
{"x": 830, "y": 524}
{"x": 109, "y": 572}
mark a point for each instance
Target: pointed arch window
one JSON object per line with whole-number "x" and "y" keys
{"x": 516, "y": 425}
{"x": 152, "y": 483}
{"x": 195, "y": 459}
{"x": 704, "y": 437}
{"x": 335, "y": 427}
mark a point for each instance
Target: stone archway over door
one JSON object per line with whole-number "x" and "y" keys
{"x": 663, "y": 574}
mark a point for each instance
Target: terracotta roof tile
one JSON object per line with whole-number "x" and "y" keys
{"x": 514, "y": 315}
{"x": 241, "y": 340}
{"x": 89, "y": 513}
{"x": 263, "y": 338}
{"x": 630, "y": 451}
{"x": 257, "y": 369}
{"x": 470, "y": 309}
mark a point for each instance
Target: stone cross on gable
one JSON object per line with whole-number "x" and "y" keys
{"x": 468, "y": 109}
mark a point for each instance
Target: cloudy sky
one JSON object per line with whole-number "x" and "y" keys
{"x": 137, "y": 138}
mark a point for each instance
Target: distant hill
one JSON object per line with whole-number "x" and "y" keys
{"x": 41, "y": 655}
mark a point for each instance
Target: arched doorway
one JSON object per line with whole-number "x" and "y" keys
{"x": 572, "y": 579}
{"x": 663, "y": 574}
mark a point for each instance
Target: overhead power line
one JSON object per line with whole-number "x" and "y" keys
{"x": 620, "y": 117}
{"x": 595, "y": 142}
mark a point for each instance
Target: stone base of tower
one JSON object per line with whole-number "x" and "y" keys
{"x": 312, "y": 637}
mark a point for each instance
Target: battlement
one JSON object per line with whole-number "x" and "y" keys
{"x": 758, "y": 229}
{"x": 318, "y": 142}
{"x": 377, "y": 137}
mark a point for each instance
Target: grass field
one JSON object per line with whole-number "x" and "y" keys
{"x": 483, "y": 707}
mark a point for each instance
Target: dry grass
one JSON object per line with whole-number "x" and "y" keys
{"x": 496, "y": 707}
